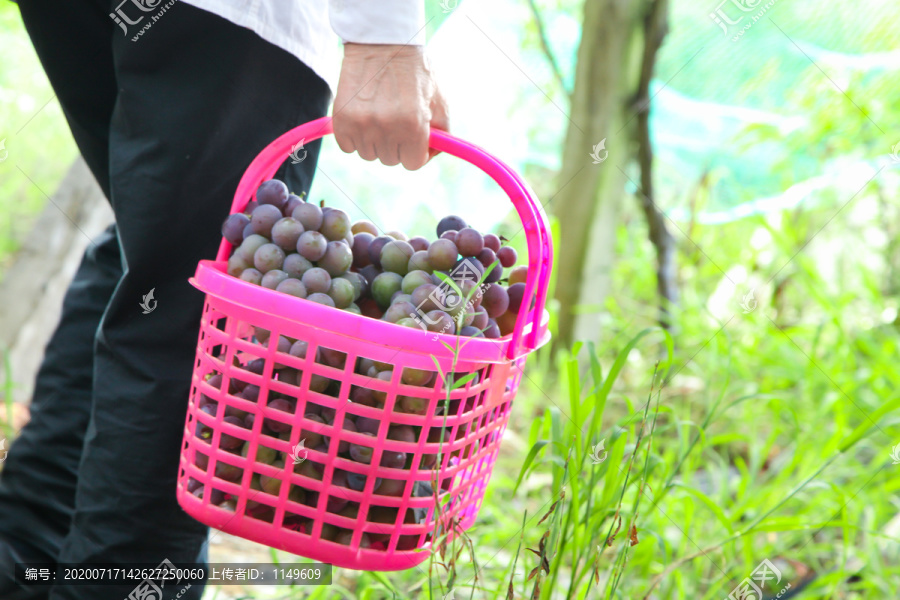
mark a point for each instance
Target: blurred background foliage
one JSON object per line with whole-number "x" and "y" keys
{"x": 777, "y": 387}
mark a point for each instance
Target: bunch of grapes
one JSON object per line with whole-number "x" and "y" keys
{"x": 455, "y": 284}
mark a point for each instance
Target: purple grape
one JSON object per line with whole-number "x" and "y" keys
{"x": 486, "y": 257}
{"x": 496, "y": 300}
{"x": 360, "y": 249}
{"x": 399, "y": 310}
{"x": 393, "y": 459}
{"x": 252, "y": 275}
{"x": 357, "y": 481}
{"x": 309, "y": 215}
{"x": 249, "y": 246}
{"x": 450, "y": 235}
{"x": 423, "y": 297}
{"x": 317, "y": 280}
{"x": 439, "y": 321}
{"x": 320, "y": 298}
{"x": 273, "y": 279}
{"x": 516, "y": 294}
{"x": 233, "y": 228}
{"x": 337, "y": 258}
{"x": 311, "y": 245}
{"x": 248, "y": 229}
{"x": 470, "y": 331}
{"x": 268, "y": 257}
{"x": 251, "y": 206}
{"x": 281, "y": 405}
{"x": 369, "y": 273}
{"x": 518, "y": 275}
{"x": 294, "y": 287}
{"x": 348, "y": 425}
{"x": 419, "y": 243}
{"x": 295, "y": 265}
{"x": 492, "y": 241}
{"x": 229, "y": 442}
{"x": 507, "y": 256}
{"x": 469, "y": 241}
{"x": 367, "y": 425}
{"x": 286, "y": 232}
{"x": 403, "y": 433}
{"x": 375, "y": 247}
{"x": 450, "y": 222}
{"x": 272, "y": 192}
{"x": 264, "y": 218}
{"x": 481, "y": 320}
{"x": 494, "y": 273}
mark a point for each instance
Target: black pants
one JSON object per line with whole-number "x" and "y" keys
{"x": 167, "y": 125}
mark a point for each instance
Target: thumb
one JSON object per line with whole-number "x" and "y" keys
{"x": 440, "y": 116}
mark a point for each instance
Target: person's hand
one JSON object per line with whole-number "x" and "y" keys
{"x": 387, "y": 99}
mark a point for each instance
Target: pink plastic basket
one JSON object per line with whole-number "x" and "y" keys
{"x": 303, "y": 505}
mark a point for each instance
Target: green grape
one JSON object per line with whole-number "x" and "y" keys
{"x": 419, "y": 262}
{"x": 237, "y": 265}
{"x": 414, "y": 279}
{"x": 395, "y": 256}
{"x": 341, "y": 291}
{"x": 364, "y": 226}
{"x": 335, "y": 224}
{"x": 249, "y": 246}
{"x": 442, "y": 254}
{"x": 286, "y": 232}
{"x": 384, "y": 286}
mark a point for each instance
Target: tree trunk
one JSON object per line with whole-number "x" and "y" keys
{"x": 589, "y": 198}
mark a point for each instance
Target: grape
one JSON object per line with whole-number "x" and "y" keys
{"x": 321, "y": 298}
{"x": 369, "y": 273}
{"x": 518, "y": 275}
{"x": 264, "y": 218}
{"x": 506, "y": 322}
{"x": 450, "y": 235}
{"x": 442, "y": 254}
{"x": 341, "y": 291}
{"x": 410, "y": 322}
{"x": 252, "y": 275}
{"x": 450, "y": 222}
{"x": 496, "y": 300}
{"x": 268, "y": 257}
{"x": 440, "y": 322}
{"x": 395, "y": 256}
{"x": 375, "y": 247}
{"x": 283, "y": 405}
{"x": 251, "y": 206}
{"x": 389, "y": 487}
{"x": 367, "y": 425}
{"x": 233, "y": 228}
{"x": 419, "y": 262}
{"x": 470, "y": 331}
{"x": 403, "y": 433}
{"x": 364, "y": 226}
{"x": 362, "y": 454}
{"x": 418, "y": 243}
{"x": 286, "y": 232}
{"x": 312, "y": 439}
{"x": 507, "y": 256}
{"x": 481, "y": 320}
{"x": 229, "y": 442}
{"x": 354, "y": 308}
{"x": 357, "y": 481}
{"x": 344, "y": 445}
{"x": 357, "y": 281}
{"x": 399, "y": 310}
{"x": 299, "y": 349}
{"x": 384, "y": 286}
{"x": 271, "y": 485}
{"x": 417, "y": 377}
{"x": 393, "y": 459}
{"x": 516, "y": 294}
{"x": 309, "y": 215}
{"x": 400, "y": 297}
{"x": 335, "y": 224}
{"x": 248, "y": 229}
{"x": 369, "y": 308}
{"x": 296, "y": 265}
{"x": 486, "y": 257}
{"x": 294, "y": 287}
{"x": 317, "y": 280}
{"x": 291, "y": 205}
{"x": 414, "y": 279}
{"x": 412, "y": 405}
{"x": 216, "y": 496}
{"x": 494, "y": 273}
{"x": 360, "y": 249}
{"x": 423, "y": 297}
{"x": 311, "y": 245}
{"x": 272, "y": 192}
{"x": 249, "y": 247}
{"x": 337, "y": 259}
{"x": 378, "y": 394}
{"x": 469, "y": 242}
{"x": 273, "y": 279}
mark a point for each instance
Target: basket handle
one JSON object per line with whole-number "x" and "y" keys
{"x": 530, "y": 211}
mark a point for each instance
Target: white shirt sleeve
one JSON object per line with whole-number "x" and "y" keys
{"x": 379, "y": 21}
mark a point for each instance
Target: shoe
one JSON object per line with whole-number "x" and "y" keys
{"x": 9, "y": 589}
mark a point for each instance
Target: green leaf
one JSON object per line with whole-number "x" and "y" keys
{"x": 529, "y": 459}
